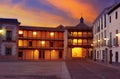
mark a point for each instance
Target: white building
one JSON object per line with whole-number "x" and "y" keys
{"x": 106, "y": 35}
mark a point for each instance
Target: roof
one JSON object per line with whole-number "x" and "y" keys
{"x": 81, "y": 26}
{"x": 114, "y": 7}
{"x": 9, "y": 20}
{"x": 102, "y": 13}
{"x": 40, "y": 28}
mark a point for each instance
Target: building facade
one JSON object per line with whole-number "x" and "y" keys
{"x": 8, "y": 38}
{"x": 44, "y": 43}
{"x": 106, "y": 38}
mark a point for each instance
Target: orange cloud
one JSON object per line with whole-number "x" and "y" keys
{"x": 75, "y": 9}
{"x": 30, "y": 16}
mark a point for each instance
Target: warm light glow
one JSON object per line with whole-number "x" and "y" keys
{"x": 74, "y": 41}
{"x": 74, "y": 33}
{"x": 20, "y": 43}
{"x": 116, "y": 34}
{"x": 106, "y": 38}
{"x": 54, "y": 54}
{"x": 20, "y": 32}
{"x": 52, "y": 34}
{"x": 34, "y": 33}
{"x": 91, "y": 44}
{"x": 53, "y": 50}
{"x": 36, "y": 54}
{"x": 0, "y": 31}
{"x": 43, "y": 42}
{"x": 76, "y": 52}
{"x": 98, "y": 40}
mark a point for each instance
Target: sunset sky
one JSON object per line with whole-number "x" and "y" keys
{"x": 51, "y": 13}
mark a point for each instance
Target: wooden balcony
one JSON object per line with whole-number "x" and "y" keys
{"x": 82, "y": 45}
{"x": 40, "y": 48}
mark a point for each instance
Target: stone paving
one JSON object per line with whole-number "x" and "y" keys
{"x": 34, "y": 70}
{"x": 84, "y": 69}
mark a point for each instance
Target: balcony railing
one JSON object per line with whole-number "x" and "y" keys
{"x": 39, "y": 47}
{"x": 40, "y": 38}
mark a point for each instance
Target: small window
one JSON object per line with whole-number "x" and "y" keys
{"x": 51, "y": 44}
{"x": 8, "y": 51}
{"x": 116, "y": 15}
{"x": 9, "y": 35}
{"x": 20, "y": 54}
{"x": 110, "y": 19}
{"x": 30, "y": 43}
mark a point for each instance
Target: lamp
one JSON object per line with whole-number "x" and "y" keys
{"x": 116, "y": 34}
{"x": 52, "y": 33}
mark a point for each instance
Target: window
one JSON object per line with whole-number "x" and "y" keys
{"x": 60, "y": 54}
{"x": 110, "y": 19}
{"x": 9, "y": 35}
{"x": 8, "y": 51}
{"x": 110, "y": 39}
{"x": 104, "y": 33}
{"x": 20, "y": 54}
{"x": 51, "y": 44}
{"x": 104, "y": 20}
{"x": 101, "y": 23}
{"x": 20, "y": 33}
{"x": 116, "y": 38}
{"x": 116, "y": 14}
{"x": 30, "y": 43}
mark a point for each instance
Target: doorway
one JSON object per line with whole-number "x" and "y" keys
{"x": 116, "y": 57}
{"x": 110, "y": 56}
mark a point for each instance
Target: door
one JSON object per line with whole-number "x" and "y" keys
{"x": 20, "y": 55}
{"x": 41, "y": 54}
{"x": 110, "y": 56}
{"x": 116, "y": 57}
{"x": 60, "y": 54}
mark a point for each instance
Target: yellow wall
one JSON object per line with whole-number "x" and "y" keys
{"x": 78, "y": 52}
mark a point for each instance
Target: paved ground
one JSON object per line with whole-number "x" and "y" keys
{"x": 34, "y": 70}
{"x": 75, "y": 69}
{"x": 83, "y": 69}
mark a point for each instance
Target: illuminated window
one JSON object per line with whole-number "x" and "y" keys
{"x": 43, "y": 42}
{"x": 79, "y": 41}
{"x": 20, "y": 32}
{"x": 74, "y": 41}
{"x": 80, "y": 34}
{"x": 74, "y": 33}
{"x": 52, "y": 34}
{"x": 35, "y": 33}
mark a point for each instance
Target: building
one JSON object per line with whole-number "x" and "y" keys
{"x": 44, "y": 43}
{"x": 8, "y": 38}
{"x": 106, "y": 39}
{"x": 41, "y": 43}
{"x": 79, "y": 40}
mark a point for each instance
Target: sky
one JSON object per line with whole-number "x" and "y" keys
{"x": 52, "y": 13}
